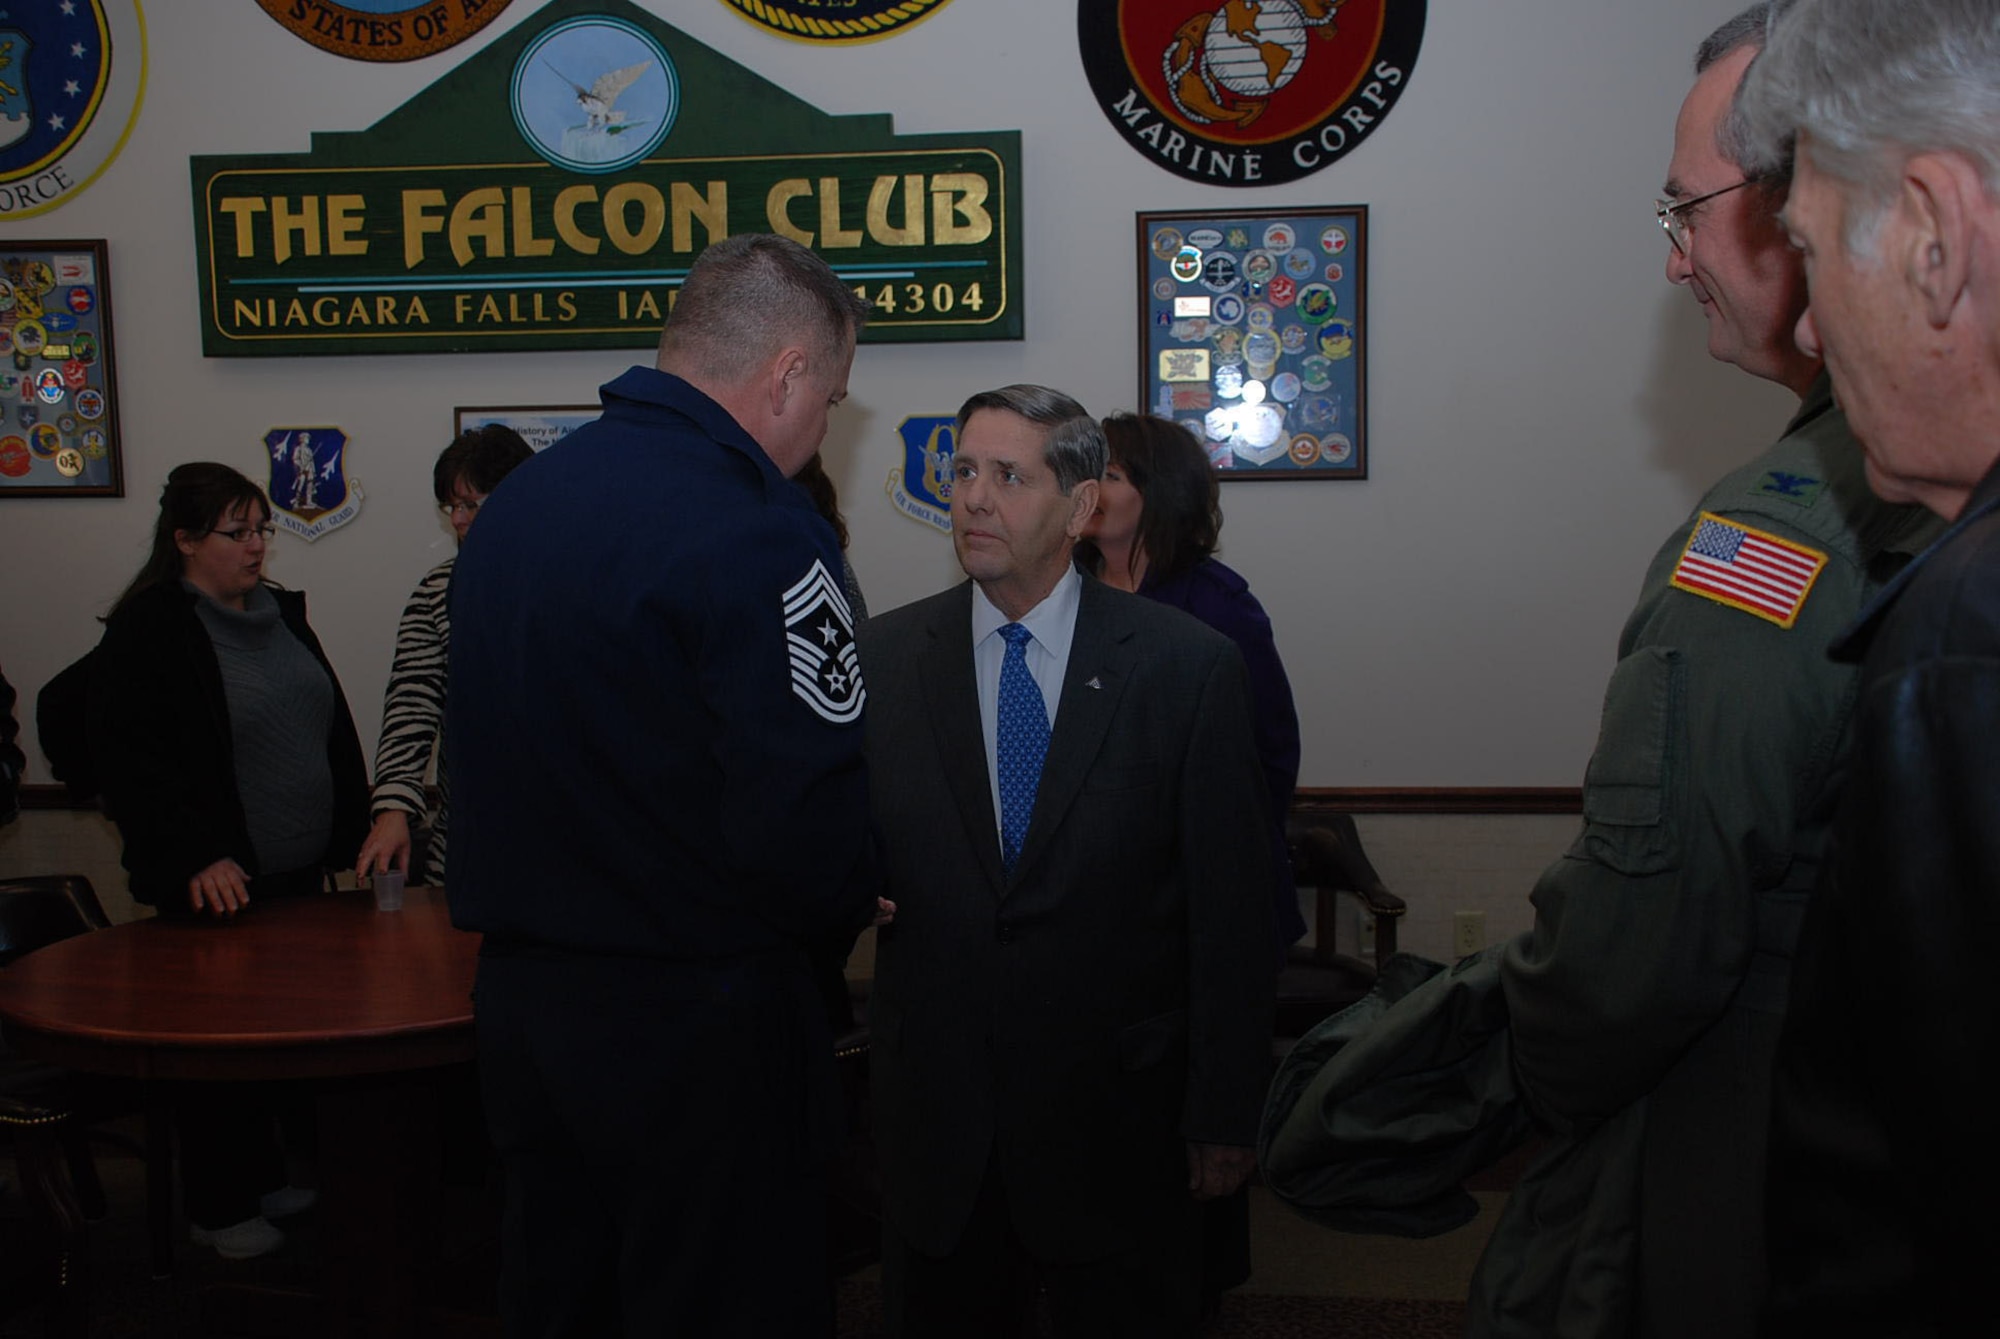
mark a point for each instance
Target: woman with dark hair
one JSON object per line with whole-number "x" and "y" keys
{"x": 229, "y": 762}
{"x": 1158, "y": 519}
{"x": 413, "y": 707}
{"x": 819, "y": 487}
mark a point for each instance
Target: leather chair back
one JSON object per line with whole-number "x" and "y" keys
{"x": 38, "y": 910}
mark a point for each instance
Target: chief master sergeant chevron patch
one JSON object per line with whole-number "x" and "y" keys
{"x": 819, "y": 633}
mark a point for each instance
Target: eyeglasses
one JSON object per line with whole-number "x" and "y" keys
{"x": 242, "y": 536}
{"x": 455, "y": 506}
{"x": 1672, "y": 214}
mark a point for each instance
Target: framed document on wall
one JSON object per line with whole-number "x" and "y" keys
{"x": 1253, "y": 334}
{"x": 58, "y": 396}
{"x": 540, "y": 426}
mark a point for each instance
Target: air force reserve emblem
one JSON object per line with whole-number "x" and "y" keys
{"x": 1247, "y": 92}
{"x": 309, "y": 491}
{"x": 819, "y": 635}
{"x": 921, "y": 490}
{"x": 65, "y": 104}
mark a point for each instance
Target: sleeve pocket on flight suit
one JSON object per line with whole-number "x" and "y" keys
{"x": 1631, "y": 809}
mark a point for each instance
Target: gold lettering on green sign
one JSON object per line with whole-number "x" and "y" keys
{"x": 344, "y": 218}
{"x": 652, "y": 216}
{"x": 418, "y": 222}
{"x": 285, "y": 221}
{"x": 879, "y": 227}
{"x": 831, "y": 234}
{"x": 525, "y": 241}
{"x": 712, "y": 209}
{"x": 775, "y": 202}
{"x": 959, "y": 195}
{"x": 481, "y": 214}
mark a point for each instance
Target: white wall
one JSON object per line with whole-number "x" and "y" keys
{"x": 1541, "y": 408}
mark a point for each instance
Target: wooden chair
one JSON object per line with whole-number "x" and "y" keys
{"x": 1317, "y": 979}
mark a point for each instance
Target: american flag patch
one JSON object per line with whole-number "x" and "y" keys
{"x": 1748, "y": 569}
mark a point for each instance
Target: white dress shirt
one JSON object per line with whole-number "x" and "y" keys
{"x": 1052, "y": 623}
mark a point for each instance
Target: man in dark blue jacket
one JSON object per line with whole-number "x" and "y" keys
{"x": 654, "y": 734}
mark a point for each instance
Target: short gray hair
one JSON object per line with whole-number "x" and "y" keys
{"x": 1074, "y": 449}
{"x": 1744, "y": 29}
{"x": 748, "y": 296}
{"x": 1870, "y": 82}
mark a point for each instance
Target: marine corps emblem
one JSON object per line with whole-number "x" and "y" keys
{"x": 819, "y": 635}
{"x": 1248, "y": 92}
{"x": 309, "y": 491}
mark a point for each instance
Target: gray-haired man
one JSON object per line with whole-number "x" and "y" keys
{"x": 1646, "y": 1003}
{"x": 1072, "y": 1007}
{"x": 1883, "y": 1176}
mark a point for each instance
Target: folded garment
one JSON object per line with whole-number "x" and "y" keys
{"x": 1380, "y": 1113}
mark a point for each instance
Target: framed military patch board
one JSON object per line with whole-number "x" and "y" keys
{"x": 1253, "y": 334}
{"x": 59, "y": 437}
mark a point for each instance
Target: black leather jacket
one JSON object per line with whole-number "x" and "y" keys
{"x": 1883, "y": 1179}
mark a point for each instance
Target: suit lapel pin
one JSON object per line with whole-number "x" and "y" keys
{"x": 1095, "y": 682}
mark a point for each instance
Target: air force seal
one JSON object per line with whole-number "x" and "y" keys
{"x": 819, "y": 635}
{"x": 1247, "y": 92}
{"x": 66, "y": 105}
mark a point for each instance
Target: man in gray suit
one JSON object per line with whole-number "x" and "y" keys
{"x": 1072, "y": 1004}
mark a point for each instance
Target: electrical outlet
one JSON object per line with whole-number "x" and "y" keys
{"x": 1468, "y": 932}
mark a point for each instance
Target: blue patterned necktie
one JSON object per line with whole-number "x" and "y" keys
{"x": 1023, "y": 740}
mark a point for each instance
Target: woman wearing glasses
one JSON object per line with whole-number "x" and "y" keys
{"x": 230, "y": 764}
{"x": 413, "y": 707}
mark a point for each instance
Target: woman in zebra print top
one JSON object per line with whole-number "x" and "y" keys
{"x": 413, "y": 708}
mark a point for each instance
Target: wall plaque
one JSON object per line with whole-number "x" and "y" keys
{"x": 384, "y": 29}
{"x": 842, "y": 21}
{"x": 552, "y": 191}
{"x": 71, "y": 76}
{"x": 1247, "y": 92}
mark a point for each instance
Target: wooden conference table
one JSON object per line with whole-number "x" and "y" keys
{"x": 368, "y": 1004}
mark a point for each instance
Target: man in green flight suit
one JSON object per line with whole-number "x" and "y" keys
{"x": 1646, "y": 1002}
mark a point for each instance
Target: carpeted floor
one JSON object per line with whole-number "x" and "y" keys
{"x": 1307, "y": 1281}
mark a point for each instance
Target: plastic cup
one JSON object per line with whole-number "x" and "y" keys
{"x": 388, "y": 886}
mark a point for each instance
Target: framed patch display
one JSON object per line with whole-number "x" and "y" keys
{"x": 1253, "y": 333}
{"x": 58, "y": 397}
{"x": 541, "y": 426}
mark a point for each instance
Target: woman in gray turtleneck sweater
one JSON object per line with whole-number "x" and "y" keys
{"x": 229, "y": 761}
